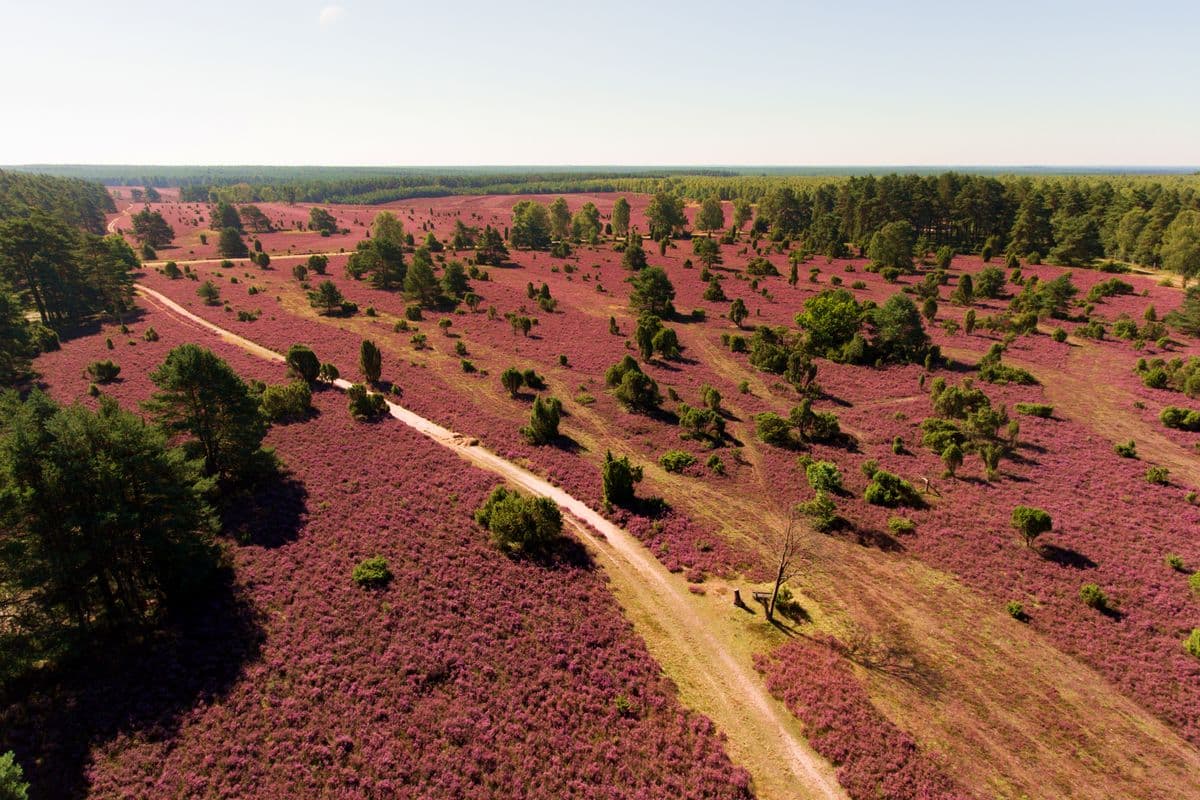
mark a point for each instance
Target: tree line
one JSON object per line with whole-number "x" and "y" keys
{"x": 55, "y": 263}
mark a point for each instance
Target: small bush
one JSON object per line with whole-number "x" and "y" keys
{"x": 288, "y": 401}
{"x": 1093, "y": 596}
{"x": 103, "y": 371}
{"x": 715, "y": 464}
{"x": 824, "y": 476}
{"x": 1180, "y": 418}
{"x": 12, "y": 783}
{"x": 1192, "y": 643}
{"x": 901, "y": 525}
{"x": 1058, "y": 335}
{"x": 1035, "y": 410}
{"x": 676, "y": 460}
{"x": 1016, "y": 610}
{"x": 1030, "y": 523}
{"x": 1194, "y": 583}
{"x": 372, "y": 573}
{"x": 364, "y": 404}
{"x": 1158, "y": 475}
{"x": 1174, "y": 562}
{"x": 519, "y": 523}
{"x": 890, "y": 491}
{"x": 150, "y": 335}
{"x": 1126, "y": 449}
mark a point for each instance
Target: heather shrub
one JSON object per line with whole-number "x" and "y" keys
{"x": 364, "y": 404}
{"x": 1093, "y": 596}
{"x": 1030, "y": 523}
{"x": 287, "y": 401}
{"x": 103, "y": 371}
{"x": 676, "y": 460}
{"x": 519, "y": 523}
{"x": 372, "y": 573}
{"x": 890, "y": 491}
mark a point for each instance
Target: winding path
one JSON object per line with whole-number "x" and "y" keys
{"x": 761, "y": 734}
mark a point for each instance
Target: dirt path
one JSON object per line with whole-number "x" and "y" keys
{"x": 761, "y": 734}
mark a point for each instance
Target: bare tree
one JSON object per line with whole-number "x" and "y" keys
{"x": 789, "y": 557}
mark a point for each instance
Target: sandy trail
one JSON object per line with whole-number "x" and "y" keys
{"x": 759, "y": 730}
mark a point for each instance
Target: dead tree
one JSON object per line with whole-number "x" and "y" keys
{"x": 789, "y": 556}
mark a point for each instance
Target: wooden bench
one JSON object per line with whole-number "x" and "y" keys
{"x": 764, "y": 598}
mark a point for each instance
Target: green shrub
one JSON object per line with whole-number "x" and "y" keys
{"x": 618, "y": 477}
{"x": 1035, "y": 410}
{"x": 1192, "y": 643}
{"x": 901, "y": 525}
{"x": 824, "y": 476}
{"x": 364, "y": 404}
{"x": 1015, "y": 609}
{"x": 715, "y": 464}
{"x": 1093, "y": 596}
{"x": 1194, "y": 583}
{"x": 287, "y": 401}
{"x": 103, "y": 371}
{"x": 1126, "y": 449}
{"x": 676, "y": 460}
{"x": 150, "y": 335}
{"x": 773, "y": 429}
{"x": 821, "y": 511}
{"x": 1181, "y": 418}
{"x": 1174, "y": 561}
{"x": 543, "y": 421}
{"x": 303, "y": 363}
{"x": 1058, "y": 335}
{"x": 1158, "y": 475}
{"x": 519, "y": 523}
{"x": 890, "y": 491}
{"x": 12, "y": 783}
{"x": 1030, "y": 523}
{"x": 372, "y": 573}
{"x": 328, "y": 373}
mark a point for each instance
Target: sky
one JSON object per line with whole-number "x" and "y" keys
{"x": 459, "y": 82}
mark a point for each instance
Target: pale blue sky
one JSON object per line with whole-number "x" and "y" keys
{"x": 460, "y": 82}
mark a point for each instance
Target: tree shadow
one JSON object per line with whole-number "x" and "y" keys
{"x": 55, "y": 717}
{"x": 567, "y": 551}
{"x": 270, "y": 515}
{"x": 1065, "y": 557}
{"x": 568, "y": 445}
{"x": 90, "y": 326}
